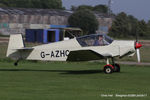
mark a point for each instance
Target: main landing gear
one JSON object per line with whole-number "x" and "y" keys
{"x": 108, "y": 69}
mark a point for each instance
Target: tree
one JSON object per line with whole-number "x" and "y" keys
{"x": 73, "y": 8}
{"x": 148, "y": 23}
{"x": 133, "y": 24}
{"x": 54, "y": 4}
{"x": 84, "y": 7}
{"x": 142, "y": 28}
{"x": 98, "y": 8}
{"x": 148, "y": 30}
{"x": 128, "y": 26}
{"x": 84, "y": 19}
{"x": 120, "y": 26}
{"x": 2, "y": 5}
{"x": 45, "y": 4}
{"x": 101, "y": 8}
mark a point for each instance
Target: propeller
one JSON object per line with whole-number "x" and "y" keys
{"x": 138, "y": 55}
{"x": 137, "y": 47}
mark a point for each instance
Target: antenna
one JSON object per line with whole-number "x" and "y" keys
{"x": 109, "y": 7}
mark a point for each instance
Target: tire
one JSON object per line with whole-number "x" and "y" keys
{"x": 117, "y": 68}
{"x": 15, "y": 64}
{"x": 108, "y": 69}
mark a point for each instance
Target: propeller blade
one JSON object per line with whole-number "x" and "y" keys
{"x": 138, "y": 55}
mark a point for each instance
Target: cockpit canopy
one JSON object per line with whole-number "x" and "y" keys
{"x": 94, "y": 40}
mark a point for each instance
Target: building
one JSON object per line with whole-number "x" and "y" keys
{"x": 16, "y": 20}
{"x": 55, "y": 34}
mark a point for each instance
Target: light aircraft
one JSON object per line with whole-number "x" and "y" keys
{"x": 84, "y": 48}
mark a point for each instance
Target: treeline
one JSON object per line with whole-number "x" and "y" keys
{"x": 99, "y": 8}
{"x": 127, "y": 26}
{"x": 44, "y": 4}
{"x": 123, "y": 26}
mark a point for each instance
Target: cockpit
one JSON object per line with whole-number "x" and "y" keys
{"x": 94, "y": 40}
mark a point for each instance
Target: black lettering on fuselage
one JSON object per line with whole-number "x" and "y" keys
{"x": 62, "y": 53}
{"x": 52, "y": 54}
{"x": 57, "y": 53}
{"x": 42, "y": 55}
{"x": 67, "y": 52}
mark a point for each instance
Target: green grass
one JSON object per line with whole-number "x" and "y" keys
{"x": 71, "y": 81}
{"x": 3, "y": 50}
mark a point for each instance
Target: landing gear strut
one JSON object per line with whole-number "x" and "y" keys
{"x": 109, "y": 68}
{"x": 116, "y": 66}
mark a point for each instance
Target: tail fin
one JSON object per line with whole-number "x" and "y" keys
{"x": 15, "y": 42}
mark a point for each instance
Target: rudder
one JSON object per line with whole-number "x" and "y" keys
{"x": 15, "y": 42}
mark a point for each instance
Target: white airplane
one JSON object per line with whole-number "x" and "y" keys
{"x": 84, "y": 48}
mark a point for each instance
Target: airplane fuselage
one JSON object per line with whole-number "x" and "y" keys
{"x": 60, "y": 51}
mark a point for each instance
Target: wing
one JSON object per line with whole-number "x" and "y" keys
{"x": 84, "y": 55}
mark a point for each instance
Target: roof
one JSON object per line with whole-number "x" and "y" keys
{"x": 72, "y": 28}
{"x": 33, "y": 11}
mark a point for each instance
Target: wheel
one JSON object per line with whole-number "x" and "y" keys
{"x": 15, "y": 64}
{"x": 108, "y": 69}
{"x": 117, "y": 68}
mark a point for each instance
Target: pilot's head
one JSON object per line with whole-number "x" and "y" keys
{"x": 100, "y": 37}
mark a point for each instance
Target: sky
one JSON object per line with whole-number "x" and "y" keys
{"x": 138, "y": 8}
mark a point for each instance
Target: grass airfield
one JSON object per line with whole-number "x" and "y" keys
{"x": 71, "y": 81}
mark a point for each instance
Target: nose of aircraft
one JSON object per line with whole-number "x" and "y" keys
{"x": 138, "y": 45}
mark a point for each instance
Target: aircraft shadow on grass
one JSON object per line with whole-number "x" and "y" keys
{"x": 59, "y": 71}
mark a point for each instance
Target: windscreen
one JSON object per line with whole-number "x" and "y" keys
{"x": 94, "y": 40}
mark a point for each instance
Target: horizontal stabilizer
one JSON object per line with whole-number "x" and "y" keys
{"x": 24, "y": 49}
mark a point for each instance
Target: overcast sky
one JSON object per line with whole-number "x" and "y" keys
{"x": 138, "y": 8}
